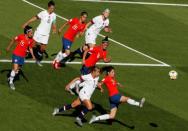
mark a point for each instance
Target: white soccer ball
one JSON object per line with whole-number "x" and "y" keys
{"x": 173, "y": 75}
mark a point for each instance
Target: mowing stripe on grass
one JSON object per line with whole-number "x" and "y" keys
{"x": 99, "y": 63}
{"x": 135, "y": 3}
{"x": 134, "y": 50}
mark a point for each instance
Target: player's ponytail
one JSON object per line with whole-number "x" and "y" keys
{"x": 107, "y": 69}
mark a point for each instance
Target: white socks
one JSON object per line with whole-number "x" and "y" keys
{"x": 60, "y": 56}
{"x": 102, "y": 117}
{"x": 133, "y": 102}
{"x": 12, "y": 75}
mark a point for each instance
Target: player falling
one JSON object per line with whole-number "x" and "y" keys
{"x": 23, "y": 42}
{"x": 98, "y": 23}
{"x": 115, "y": 98}
{"x": 76, "y": 29}
{"x": 41, "y": 36}
{"x": 89, "y": 83}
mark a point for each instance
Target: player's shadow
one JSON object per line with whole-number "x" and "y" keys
{"x": 17, "y": 77}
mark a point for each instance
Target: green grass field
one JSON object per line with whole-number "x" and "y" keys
{"x": 158, "y": 31}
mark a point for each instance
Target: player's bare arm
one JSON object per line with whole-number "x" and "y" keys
{"x": 62, "y": 27}
{"x": 107, "y": 60}
{"x": 34, "y": 18}
{"x": 10, "y": 44}
{"x": 31, "y": 51}
{"x": 99, "y": 85}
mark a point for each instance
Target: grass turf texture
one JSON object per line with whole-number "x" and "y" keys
{"x": 157, "y": 31}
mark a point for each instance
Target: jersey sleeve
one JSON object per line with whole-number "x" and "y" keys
{"x": 84, "y": 77}
{"x": 71, "y": 21}
{"x": 95, "y": 19}
{"x": 54, "y": 20}
{"x": 40, "y": 15}
{"x": 104, "y": 80}
{"x": 17, "y": 38}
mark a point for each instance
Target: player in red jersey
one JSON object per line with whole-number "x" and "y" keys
{"x": 115, "y": 97}
{"x": 76, "y": 29}
{"x": 92, "y": 56}
{"x": 24, "y": 41}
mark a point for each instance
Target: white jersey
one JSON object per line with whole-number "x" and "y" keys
{"x": 98, "y": 24}
{"x": 89, "y": 84}
{"x": 46, "y": 21}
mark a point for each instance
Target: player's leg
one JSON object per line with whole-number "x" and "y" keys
{"x": 88, "y": 106}
{"x": 130, "y": 101}
{"x": 112, "y": 115}
{"x": 66, "y": 107}
{"x": 63, "y": 53}
{"x": 16, "y": 61}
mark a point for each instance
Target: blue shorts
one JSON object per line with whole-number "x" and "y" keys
{"x": 85, "y": 70}
{"x": 66, "y": 44}
{"x": 115, "y": 101}
{"x": 17, "y": 60}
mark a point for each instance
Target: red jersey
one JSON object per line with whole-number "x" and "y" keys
{"x": 22, "y": 45}
{"x": 74, "y": 28}
{"x": 96, "y": 54}
{"x": 111, "y": 85}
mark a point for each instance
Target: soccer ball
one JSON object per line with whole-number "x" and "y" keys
{"x": 173, "y": 75}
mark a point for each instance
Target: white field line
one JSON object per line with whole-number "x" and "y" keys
{"x": 135, "y": 3}
{"x": 103, "y": 36}
{"x": 99, "y": 63}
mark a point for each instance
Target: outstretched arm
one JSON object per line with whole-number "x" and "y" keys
{"x": 31, "y": 51}
{"x": 74, "y": 80}
{"x": 30, "y": 21}
{"x": 99, "y": 85}
{"x": 62, "y": 27}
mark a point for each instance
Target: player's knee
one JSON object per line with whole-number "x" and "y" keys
{"x": 90, "y": 107}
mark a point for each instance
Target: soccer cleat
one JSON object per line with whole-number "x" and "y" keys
{"x": 92, "y": 119}
{"x": 39, "y": 63}
{"x": 55, "y": 112}
{"x": 11, "y": 85}
{"x": 142, "y": 102}
{"x": 79, "y": 121}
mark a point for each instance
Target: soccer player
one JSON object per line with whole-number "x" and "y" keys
{"x": 47, "y": 21}
{"x": 98, "y": 23}
{"x": 92, "y": 56}
{"x": 89, "y": 84}
{"x": 115, "y": 98}
{"x": 76, "y": 29}
{"x": 24, "y": 41}
{"x": 90, "y": 59}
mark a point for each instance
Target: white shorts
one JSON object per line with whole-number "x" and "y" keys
{"x": 84, "y": 96}
{"x": 39, "y": 38}
{"x": 90, "y": 37}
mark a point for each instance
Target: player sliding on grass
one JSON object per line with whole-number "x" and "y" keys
{"x": 89, "y": 84}
{"x": 76, "y": 29}
{"x": 24, "y": 41}
{"x": 98, "y": 23}
{"x": 115, "y": 97}
{"x": 90, "y": 58}
{"x": 47, "y": 20}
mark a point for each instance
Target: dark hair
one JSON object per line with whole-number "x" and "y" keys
{"x": 51, "y": 3}
{"x": 27, "y": 29}
{"x": 95, "y": 68}
{"x": 84, "y": 13}
{"x": 107, "y": 69}
{"x": 105, "y": 40}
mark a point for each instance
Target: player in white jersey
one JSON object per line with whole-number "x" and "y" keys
{"x": 97, "y": 24}
{"x": 47, "y": 21}
{"x": 89, "y": 84}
